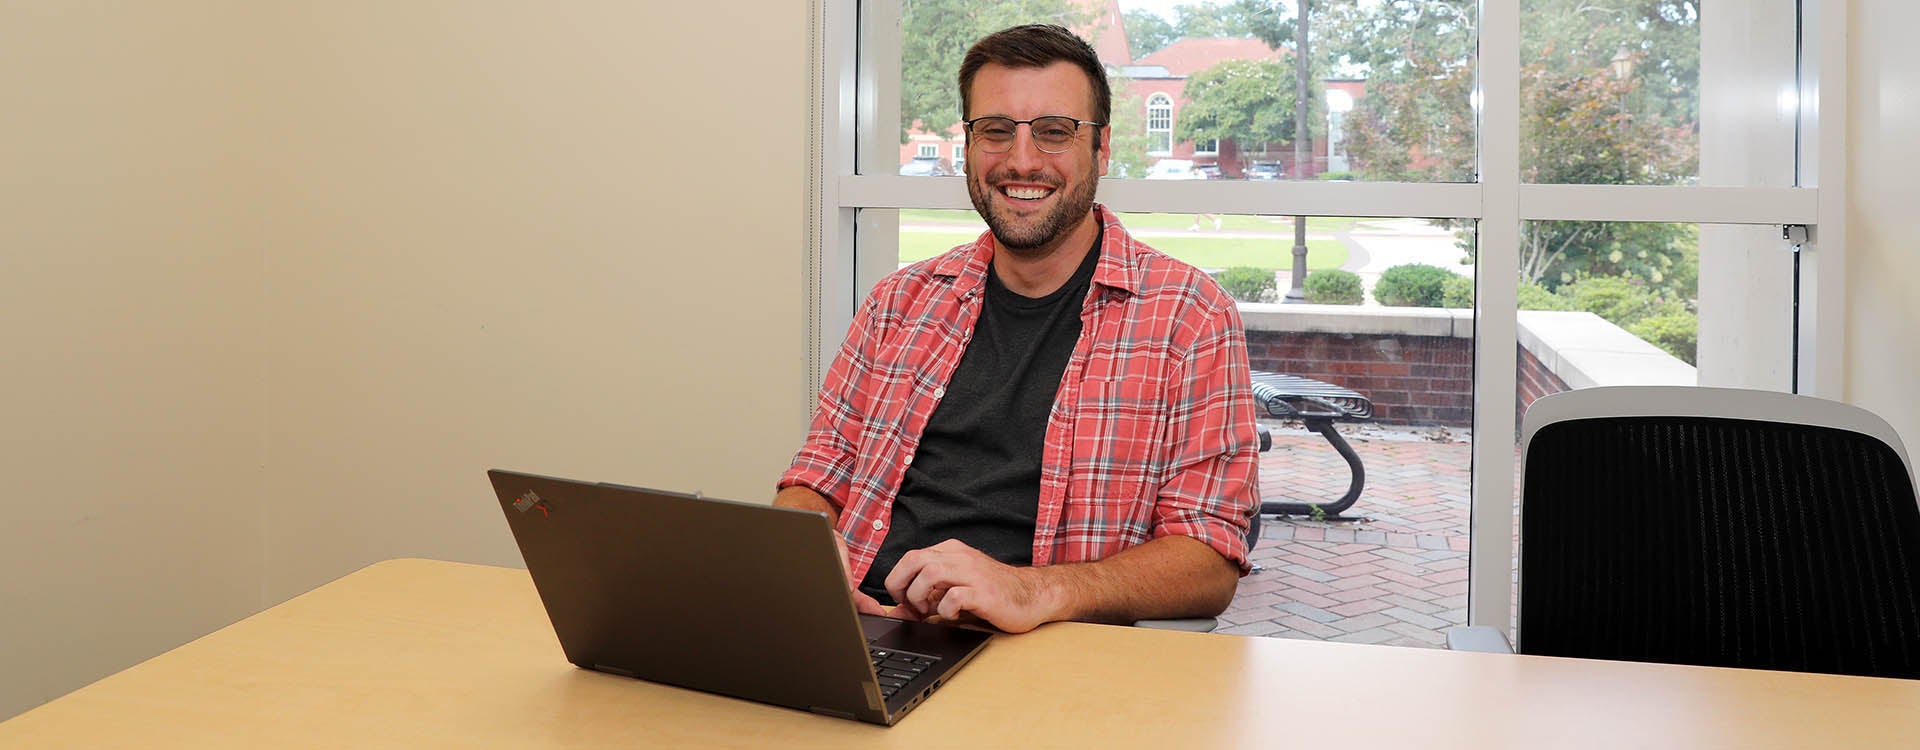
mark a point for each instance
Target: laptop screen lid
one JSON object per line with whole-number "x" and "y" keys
{"x": 732, "y": 598}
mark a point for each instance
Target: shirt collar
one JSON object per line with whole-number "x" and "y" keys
{"x": 1116, "y": 268}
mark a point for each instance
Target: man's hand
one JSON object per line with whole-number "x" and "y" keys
{"x": 953, "y": 580}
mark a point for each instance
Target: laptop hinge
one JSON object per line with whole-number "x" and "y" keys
{"x": 874, "y": 701}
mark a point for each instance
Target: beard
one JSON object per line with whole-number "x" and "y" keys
{"x": 1033, "y": 236}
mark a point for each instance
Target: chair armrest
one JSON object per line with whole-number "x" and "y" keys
{"x": 1482, "y": 638}
{"x": 1191, "y": 624}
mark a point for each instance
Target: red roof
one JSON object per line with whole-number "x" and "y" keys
{"x": 1188, "y": 56}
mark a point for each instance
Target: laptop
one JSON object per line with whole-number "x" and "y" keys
{"x": 738, "y": 599}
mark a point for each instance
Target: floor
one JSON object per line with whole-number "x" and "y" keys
{"x": 1396, "y": 574}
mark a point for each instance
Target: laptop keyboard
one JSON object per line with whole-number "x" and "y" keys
{"x": 897, "y": 668}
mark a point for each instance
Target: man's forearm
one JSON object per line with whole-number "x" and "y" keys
{"x": 1169, "y": 577}
{"x": 804, "y": 498}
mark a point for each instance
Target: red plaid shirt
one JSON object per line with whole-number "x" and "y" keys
{"x": 1151, "y": 432}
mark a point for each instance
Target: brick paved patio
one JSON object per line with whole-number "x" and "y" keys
{"x": 1396, "y": 576}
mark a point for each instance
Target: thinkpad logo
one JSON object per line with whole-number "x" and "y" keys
{"x": 530, "y": 501}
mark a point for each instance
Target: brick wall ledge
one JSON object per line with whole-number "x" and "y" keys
{"x": 1586, "y": 350}
{"x": 1352, "y": 319}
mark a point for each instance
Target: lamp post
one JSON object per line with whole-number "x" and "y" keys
{"x": 1302, "y": 152}
{"x": 1622, "y": 65}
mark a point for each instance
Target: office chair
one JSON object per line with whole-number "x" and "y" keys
{"x": 1207, "y": 624}
{"x": 1715, "y": 527}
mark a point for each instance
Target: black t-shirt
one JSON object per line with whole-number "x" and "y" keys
{"x": 976, "y": 474}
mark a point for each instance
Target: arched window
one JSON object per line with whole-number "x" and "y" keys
{"x": 1160, "y": 124}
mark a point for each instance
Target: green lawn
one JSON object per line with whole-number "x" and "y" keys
{"x": 1244, "y": 222}
{"x": 1199, "y": 249}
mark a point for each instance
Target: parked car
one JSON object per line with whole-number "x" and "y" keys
{"x": 1208, "y": 171}
{"x": 925, "y": 166}
{"x": 1263, "y": 170}
{"x": 1172, "y": 169}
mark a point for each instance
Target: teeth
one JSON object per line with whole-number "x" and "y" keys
{"x": 1028, "y": 193}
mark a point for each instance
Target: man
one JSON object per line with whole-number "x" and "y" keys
{"x": 1054, "y": 422}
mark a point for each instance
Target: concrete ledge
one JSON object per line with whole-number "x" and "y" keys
{"x": 1353, "y": 319}
{"x": 1586, "y": 350}
{"x": 1581, "y": 348}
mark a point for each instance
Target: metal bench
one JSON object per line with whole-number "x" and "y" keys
{"x": 1317, "y": 404}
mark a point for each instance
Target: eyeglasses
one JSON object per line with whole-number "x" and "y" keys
{"x": 1054, "y": 134}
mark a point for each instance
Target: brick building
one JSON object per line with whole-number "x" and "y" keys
{"x": 1156, "y": 84}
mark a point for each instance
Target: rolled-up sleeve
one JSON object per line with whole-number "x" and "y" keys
{"x": 1212, "y": 485}
{"x": 825, "y": 462}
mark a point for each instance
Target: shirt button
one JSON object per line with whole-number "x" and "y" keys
{"x": 878, "y": 524}
{"x": 939, "y": 393}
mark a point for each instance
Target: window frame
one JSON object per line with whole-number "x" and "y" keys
{"x": 1159, "y": 102}
{"x": 846, "y": 178}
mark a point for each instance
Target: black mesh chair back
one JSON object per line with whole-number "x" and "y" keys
{"x": 1675, "y": 534}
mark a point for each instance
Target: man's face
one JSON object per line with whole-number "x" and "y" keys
{"x": 1032, "y": 199}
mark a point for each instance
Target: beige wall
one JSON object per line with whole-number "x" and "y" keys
{"x": 531, "y": 236}
{"x": 1883, "y": 238}
{"x": 280, "y": 281}
{"x": 130, "y": 386}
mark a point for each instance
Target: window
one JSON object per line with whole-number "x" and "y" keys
{"x": 1588, "y": 155}
{"x": 928, "y": 151}
{"x": 959, "y": 158}
{"x": 1159, "y": 124}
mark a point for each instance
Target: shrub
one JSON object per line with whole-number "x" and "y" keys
{"x": 1533, "y": 296}
{"x": 1457, "y": 292}
{"x": 1676, "y": 331}
{"x": 1612, "y": 297}
{"x": 1334, "y": 287}
{"x": 1336, "y": 175}
{"x": 1411, "y": 285}
{"x": 1248, "y": 284}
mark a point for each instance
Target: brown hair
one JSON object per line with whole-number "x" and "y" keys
{"x": 1036, "y": 46}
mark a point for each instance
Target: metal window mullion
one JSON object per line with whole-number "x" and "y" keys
{"x": 877, "y": 251}
{"x": 830, "y": 301}
{"x": 1495, "y": 327}
{"x": 1659, "y": 203}
{"x": 1387, "y": 200}
{"x": 1823, "y": 106}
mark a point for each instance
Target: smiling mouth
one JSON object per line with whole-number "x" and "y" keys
{"x": 1026, "y": 193}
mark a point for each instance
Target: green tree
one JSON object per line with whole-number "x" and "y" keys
{"x": 1129, "y": 133}
{"x": 1416, "y": 121}
{"x": 1661, "y": 37}
{"x": 1574, "y": 131}
{"x": 1581, "y": 122}
{"x": 1207, "y": 20}
{"x": 1245, "y": 101}
{"x": 1147, "y": 32}
{"x": 935, "y": 35}
{"x": 1249, "y": 102}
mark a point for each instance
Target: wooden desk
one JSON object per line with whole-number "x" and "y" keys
{"x": 417, "y": 653}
